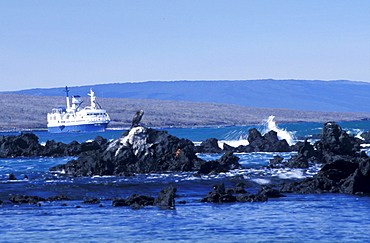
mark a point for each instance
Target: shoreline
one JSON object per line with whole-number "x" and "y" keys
{"x": 116, "y": 128}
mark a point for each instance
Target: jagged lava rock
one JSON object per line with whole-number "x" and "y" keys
{"x": 345, "y": 169}
{"x": 27, "y": 145}
{"x": 166, "y": 197}
{"x": 220, "y": 194}
{"x": 227, "y": 162}
{"x": 23, "y": 145}
{"x": 140, "y": 150}
{"x": 209, "y": 146}
{"x": 335, "y": 141}
{"x": 306, "y": 153}
{"x": 258, "y": 143}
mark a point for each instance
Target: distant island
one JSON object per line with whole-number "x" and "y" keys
{"x": 20, "y": 112}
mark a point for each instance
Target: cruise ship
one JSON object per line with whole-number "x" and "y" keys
{"x": 75, "y": 119}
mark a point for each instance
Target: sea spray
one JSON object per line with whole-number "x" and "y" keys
{"x": 238, "y": 137}
{"x": 281, "y": 133}
{"x": 235, "y": 138}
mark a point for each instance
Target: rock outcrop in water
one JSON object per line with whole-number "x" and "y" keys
{"x": 27, "y": 145}
{"x": 345, "y": 169}
{"x": 257, "y": 143}
{"x": 145, "y": 150}
{"x": 220, "y": 194}
{"x": 18, "y": 199}
{"x": 165, "y": 198}
{"x": 209, "y": 146}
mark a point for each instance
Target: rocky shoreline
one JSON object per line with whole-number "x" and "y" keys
{"x": 143, "y": 150}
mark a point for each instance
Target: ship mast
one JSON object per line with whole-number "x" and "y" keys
{"x": 67, "y": 97}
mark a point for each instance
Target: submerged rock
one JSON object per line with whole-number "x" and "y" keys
{"x": 166, "y": 198}
{"x": 144, "y": 150}
{"x": 12, "y": 177}
{"x": 25, "y": 199}
{"x": 222, "y": 195}
{"x": 19, "y": 199}
{"x": 134, "y": 201}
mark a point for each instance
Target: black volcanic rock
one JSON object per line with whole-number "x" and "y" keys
{"x": 144, "y": 150}
{"x": 166, "y": 197}
{"x": 134, "y": 201}
{"x": 266, "y": 143}
{"x": 335, "y": 141}
{"x": 306, "y": 153}
{"x": 57, "y": 198}
{"x": 227, "y": 162}
{"x": 27, "y": 145}
{"x": 209, "y": 146}
{"x": 220, "y": 194}
{"x": 345, "y": 170}
{"x": 12, "y": 177}
{"x": 23, "y": 145}
{"x": 257, "y": 143}
{"x": 276, "y": 161}
{"x": 25, "y": 199}
{"x": 227, "y": 147}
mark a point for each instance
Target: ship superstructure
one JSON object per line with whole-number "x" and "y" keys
{"x": 73, "y": 118}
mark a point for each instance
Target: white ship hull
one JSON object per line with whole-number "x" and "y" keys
{"x": 74, "y": 119}
{"x": 96, "y": 127}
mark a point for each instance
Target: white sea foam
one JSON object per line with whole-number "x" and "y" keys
{"x": 281, "y": 133}
{"x": 261, "y": 181}
{"x": 291, "y": 174}
{"x": 357, "y": 133}
{"x": 233, "y": 143}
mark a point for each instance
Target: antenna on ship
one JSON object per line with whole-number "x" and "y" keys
{"x": 67, "y": 97}
{"x": 67, "y": 91}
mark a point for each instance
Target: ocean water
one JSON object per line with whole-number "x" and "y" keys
{"x": 294, "y": 218}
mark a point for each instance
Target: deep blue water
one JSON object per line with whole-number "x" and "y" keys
{"x": 295, "y": 218}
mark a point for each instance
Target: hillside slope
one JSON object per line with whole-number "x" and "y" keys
{"x": 346, "y": 96}
{"x": 28, "y": 111}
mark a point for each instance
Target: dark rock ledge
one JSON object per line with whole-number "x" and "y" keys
{"x": 165, "y": 199}
{"x": 345, "y": 168}
{"x": 220, "y": 194}
{"x": 27, "y": 145}
{"x": 145, "y": 150}
{"x": 257, "y": 143}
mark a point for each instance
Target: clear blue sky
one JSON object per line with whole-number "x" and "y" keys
{"x": 56, "y": 43}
